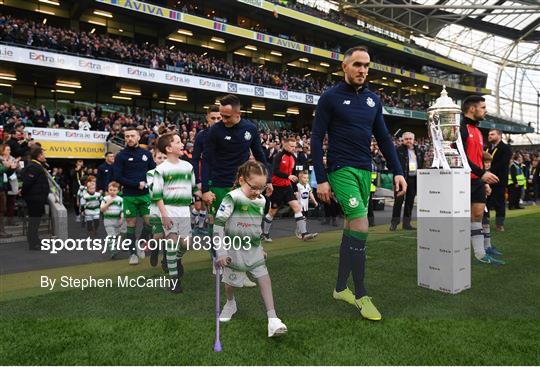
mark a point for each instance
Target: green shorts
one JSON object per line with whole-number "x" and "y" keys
{"x": 220, "y": 193}
{"x": 352, "y": 188}
{"x": 136, "y": 205}
{"x": 157, "y": 226}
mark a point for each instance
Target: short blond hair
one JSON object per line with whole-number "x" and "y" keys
{"x": 114, "y": 184}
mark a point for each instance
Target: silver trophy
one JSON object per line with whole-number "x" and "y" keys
{"x": 444, "y": 118}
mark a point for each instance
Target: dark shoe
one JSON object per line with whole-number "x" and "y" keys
{"x": 154, "y": 257}
{"x": 176, "y": 289}
{"x": 492, "y": 251}
{"x": 408, "y": 227}
{"x": 520, "y": 207}
{"x": 164, "y": 267}
{"x": 393, "y": 227}
{"x": 266, "y": 238}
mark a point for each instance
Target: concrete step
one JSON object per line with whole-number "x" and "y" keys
{"x": 17, "y": 234}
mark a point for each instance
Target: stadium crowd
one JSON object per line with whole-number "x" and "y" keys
{"x": 37, "y": 34}
{"x": 202, "y": 9}
{"x": 104, "y": 46}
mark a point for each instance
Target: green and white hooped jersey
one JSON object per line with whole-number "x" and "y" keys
{"x": 174, "y": 183}
{"x": 80, "y": 193}
{"x": 154, "y": 210}
{"x": 91, "y": 203}
{"x": 241, "y": 216}
{"x": 114, "y": 211}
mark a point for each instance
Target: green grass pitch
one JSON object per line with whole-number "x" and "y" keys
{"x": 496, "y": 322}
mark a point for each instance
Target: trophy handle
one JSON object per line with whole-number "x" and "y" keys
{"x": 439, "y": 158}
{"x": 462, "y": 153}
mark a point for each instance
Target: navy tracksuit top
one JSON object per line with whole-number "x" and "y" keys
{"x": 350, "y": 117}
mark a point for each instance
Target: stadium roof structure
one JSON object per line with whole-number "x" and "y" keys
{"x": 515, "y": 20}
{"x": 499, "y": 37}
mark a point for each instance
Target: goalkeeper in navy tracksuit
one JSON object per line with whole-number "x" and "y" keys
{"x": 350, "y": 113}
{"x": 130, "y": 167}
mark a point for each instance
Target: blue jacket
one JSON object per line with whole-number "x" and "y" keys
{"x": 226, "y": 149}
{"x": 130, "y": 167}
{"x": 104, "y": 176}
{"x": 350, "y": 117}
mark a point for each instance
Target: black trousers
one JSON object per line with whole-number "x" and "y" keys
{"x": 514, "y": 194}
{"x": 496, "y": 202}
{"x": 370, "y": 213}
{"x": 36, "y": 209}
{"x": 409, "y": 203}
{"x": 331, "y": 210}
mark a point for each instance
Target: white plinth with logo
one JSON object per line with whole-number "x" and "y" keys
{"x": 444, "y": 229}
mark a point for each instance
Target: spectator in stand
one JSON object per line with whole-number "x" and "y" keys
{"x": 93, "y": 120}
{"x": 8, "y": 165}
{"x": 12, "y": 184}
{"x": 39, "y": 119}
{"x": 84, "y": 124}
{"x": 5, "y": 114}
{"x": 303, "y": 157}
{"x": 271, "y": 151}
{"x": 18, "y": 142}
{"x": 105, "y": 46}
{"x": 188, "y": 152}
{"x": 45, "y": 114}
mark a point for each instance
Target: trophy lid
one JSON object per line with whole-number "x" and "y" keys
{"x": 444, "y": 102}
